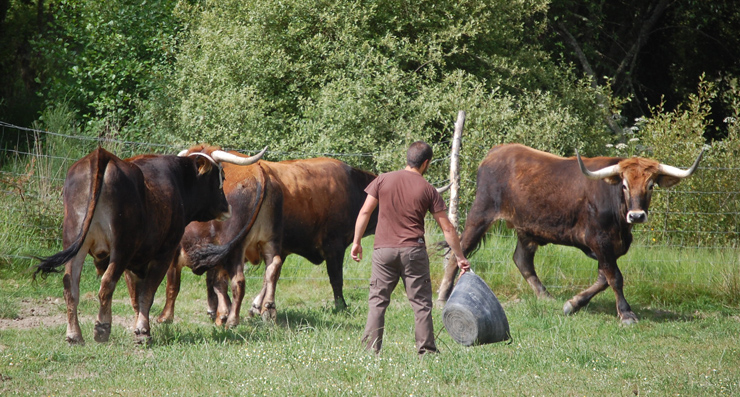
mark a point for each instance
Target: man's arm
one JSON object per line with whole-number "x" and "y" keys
{"x": 452, "y": 240}
{"x": 362, "y": 219}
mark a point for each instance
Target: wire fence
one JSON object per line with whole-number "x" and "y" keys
{"x": 33, "y": 165}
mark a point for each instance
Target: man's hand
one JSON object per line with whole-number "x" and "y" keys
{"x": 463, "y": 264}
{"x": 356, "y": 252}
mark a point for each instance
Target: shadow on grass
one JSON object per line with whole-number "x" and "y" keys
{"x": 256, "y": 329}
{"x": 643, "y": 314}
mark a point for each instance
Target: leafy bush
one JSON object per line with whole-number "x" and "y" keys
{"x": 104, "y": 58}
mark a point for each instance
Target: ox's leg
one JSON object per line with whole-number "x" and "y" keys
{"x": 265, "y": 301}
{"x": 256, "y": 308}
{"x": 235, "y": 272}
{"x": 334, "y": 267}
{"x": 107, "y": 286}
{"x": 524, "y": 260}
{"x": 174, "y": 279}
{"x": 71, "y": 280}
{"x": 609, "y": 274}
{"x": 217, "y": 292}
{"x": 479, "y": 219}
{"x": 579, "y": 301}
{"x": 614, "y": 277}
{"x": 131, "y": 292}
{"x": 145, "y": 289}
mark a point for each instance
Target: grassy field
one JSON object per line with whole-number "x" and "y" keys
{"x": 687, "y": 341}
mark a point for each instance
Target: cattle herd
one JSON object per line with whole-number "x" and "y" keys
{"x": 149, "y": 216}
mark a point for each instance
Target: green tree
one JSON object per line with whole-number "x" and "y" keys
{"x": 323, "y": 76}
{"x": 105, "y": 57}
{"x": 652, "y": 52}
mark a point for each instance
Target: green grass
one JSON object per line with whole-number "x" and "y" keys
{"x": 686, "y": 342}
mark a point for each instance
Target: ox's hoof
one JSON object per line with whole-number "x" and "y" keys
{"x": 255, "y": 311}
{"x": 269, "y": 313}
{"x": 340, "y": 304}
{"x": 142, "y": 337}
{"x": 439, "y": 303}
{"x": 101, "y": 333}
{"x": 164, "y": 319}
{"x": 75, "y": 340}
{"x": 212, "y": 314}
{"x": 220, "y": 320}
{"x": 231, "y": 323}
{"x": 143, "y": 340}
{"x": 628, "y": 318}
{"x": 568, "y": 308}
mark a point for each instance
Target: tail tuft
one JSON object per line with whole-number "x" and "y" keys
{"x": 206, "y": 257}
{"x": 51, "y": 264}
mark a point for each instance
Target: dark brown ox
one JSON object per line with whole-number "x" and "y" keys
{"x": 304, "y": 207}
{"x": 129, "y": 215}
{"x": 547, "y": 199}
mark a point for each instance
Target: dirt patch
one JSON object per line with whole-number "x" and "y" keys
{"x": 49, "y": 312}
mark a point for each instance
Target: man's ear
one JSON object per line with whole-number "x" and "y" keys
{"x": 425, "y": 164}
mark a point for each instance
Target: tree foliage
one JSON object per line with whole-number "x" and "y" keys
{"x": 105, "y": 57}
{"x": 652, "y": 52}
{"x": 373, "y": 76}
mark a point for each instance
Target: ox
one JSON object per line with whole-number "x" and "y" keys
{"x": 548, "y": 200}
{"x": 304, "y": 207}
{"x": 129, "y": 215}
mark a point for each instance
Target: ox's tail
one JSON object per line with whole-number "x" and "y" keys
{"x": 51, "y": 264}
{"x": 206, "y": 257}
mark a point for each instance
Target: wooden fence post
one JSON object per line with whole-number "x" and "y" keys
{"x": 455, "y": 169}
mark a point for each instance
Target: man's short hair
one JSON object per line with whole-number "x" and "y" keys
{"x": 418, "y": 152}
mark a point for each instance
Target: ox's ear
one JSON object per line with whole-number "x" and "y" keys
{"x": 613, "y": 180}
{"x": 204, "y": 164}
{"x": 666, "y": 181}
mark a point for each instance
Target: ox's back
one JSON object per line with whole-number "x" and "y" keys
{"x": 321, "y": 200}
{"x": 543, "y": 195}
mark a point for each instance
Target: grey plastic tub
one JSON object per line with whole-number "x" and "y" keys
{"x": 473, "y": 314}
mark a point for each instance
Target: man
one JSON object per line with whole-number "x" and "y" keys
{"x": 404, "y": 198}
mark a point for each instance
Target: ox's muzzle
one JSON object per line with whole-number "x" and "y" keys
{"x": 637, "y": 217}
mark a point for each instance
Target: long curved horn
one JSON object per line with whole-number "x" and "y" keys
{"x": 221, "y": 156}
{"x": 605, "y": 172}
{"x": 677, "y": 172}
{"x": 444, "y": 188}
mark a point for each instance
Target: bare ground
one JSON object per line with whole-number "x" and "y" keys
{"x": 49, "y": 312}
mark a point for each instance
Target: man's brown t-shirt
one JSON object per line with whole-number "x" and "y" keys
{"x": 404, "y": 197}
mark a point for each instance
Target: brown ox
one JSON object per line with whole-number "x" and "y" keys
{"x": 304, "y": 207}
{"x": 547, "y": 199}
{"x": 129, "y": 215}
